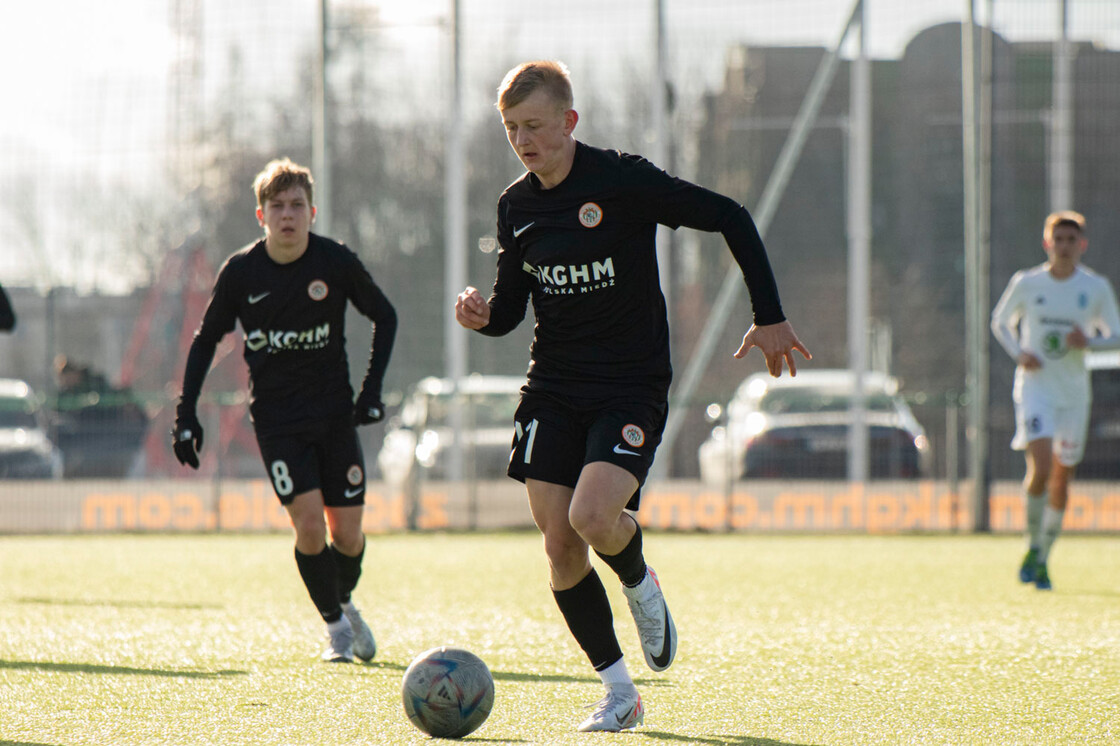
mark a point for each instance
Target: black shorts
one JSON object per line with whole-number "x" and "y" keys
{"x": 556, "y": 437}
{"x": 325, "y": 456}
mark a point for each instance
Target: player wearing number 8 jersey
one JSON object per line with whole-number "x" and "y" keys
{"x": 289, "y": 292}
{"x": 1046, "y": 319}
{"x": 577, "y": 237}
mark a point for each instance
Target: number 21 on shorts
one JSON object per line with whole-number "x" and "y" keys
{"x": 528, "y": 431}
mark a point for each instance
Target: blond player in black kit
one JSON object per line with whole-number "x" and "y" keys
{"x": 289, "y": 292}
{"x": 577, "y": 236}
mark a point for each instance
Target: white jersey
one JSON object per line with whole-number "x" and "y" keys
{"x": 1038, "y": 310}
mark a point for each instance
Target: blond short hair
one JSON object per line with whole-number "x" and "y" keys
{"x": 1062, "y": 217}
{"x": 552, "y": 76}
{"x": 280, "y": 175}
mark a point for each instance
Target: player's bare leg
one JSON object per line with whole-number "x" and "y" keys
{"x": 319, "y": 571}
{"x": 348, "y": 543}
{"x": 568, "y": 561}
{"x": 306, "y": 513}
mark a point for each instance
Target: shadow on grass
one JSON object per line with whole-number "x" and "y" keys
{"x": 117, "y": 603}
{"x": 95, "y": 668}
{"x": 498, "y": 675}
{"x": 716, "y": 740}
{"x": 520, "y": 676}
{"x": 23, "y": 743}
{"x": 553, "y": 678}
{"x": 390, "y": 665}
{"x": 1085, "y": 593}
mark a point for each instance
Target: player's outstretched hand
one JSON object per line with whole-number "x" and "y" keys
{"x": 186, "y": 439}
{"x": 471, "y": 309}
{"x": 368, "y": 409}
{"x": 777, "y": 342}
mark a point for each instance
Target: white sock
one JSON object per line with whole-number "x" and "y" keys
{"x": 338, "y": 624}
{"x": 1035, "y": 506}
{"x": 616, "y": 674}
{"x": 1051, "y": 527}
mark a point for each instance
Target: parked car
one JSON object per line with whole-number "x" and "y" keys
{"x": 798, "y": 428}
{"x": 26, "y": 451}
{"x": 421, "y": 435}
{"x": 99, "y": 427}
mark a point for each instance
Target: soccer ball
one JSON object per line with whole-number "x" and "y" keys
{"x": 447, "y": 692}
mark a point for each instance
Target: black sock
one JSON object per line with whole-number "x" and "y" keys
{"x": 320, "y": 575}
{"x": 588, "y": 613}
{"x": 349, "y": 570}
{"x": 630, "y": 563}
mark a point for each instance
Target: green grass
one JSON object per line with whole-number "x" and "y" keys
{"x": 784, "y": 640}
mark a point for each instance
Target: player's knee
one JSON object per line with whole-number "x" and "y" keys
{"x": 591, "y": 523}
{"x": 564, "y": 549}
{"x": 349, "y": 541}
{"x": 311, "y": 534}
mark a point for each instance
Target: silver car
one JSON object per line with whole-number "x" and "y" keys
{"x": 26, "y": 451}
{"x": 797, "y": 427}
{"x": 418, "y": 440}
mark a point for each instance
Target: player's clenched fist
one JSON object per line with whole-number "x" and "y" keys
{"x": 471, "y": 310}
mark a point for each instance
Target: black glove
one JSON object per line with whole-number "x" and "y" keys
{"x": 368, "y": 409}
{"x": 186, "y": 439}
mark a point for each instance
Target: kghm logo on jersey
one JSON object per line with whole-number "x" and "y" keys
{"x": 277, "y": 340}
{"x": 317, "y": 290}
{"x": 590, "y": 215}
{"x": 633, "y": 435}
{"x": 354, "y": 475}
{"x": 572, "y": 279}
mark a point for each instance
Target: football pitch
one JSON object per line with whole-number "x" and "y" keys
{"x": 784, "y": 640}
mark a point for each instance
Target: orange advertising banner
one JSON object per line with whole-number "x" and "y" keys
{"x": 762, "y": 506}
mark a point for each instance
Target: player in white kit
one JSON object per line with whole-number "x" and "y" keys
{"x": 1046, "y": 319}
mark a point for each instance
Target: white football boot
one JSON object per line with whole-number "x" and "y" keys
{"x": 365, "y": 647}
{"x": 655, "y": 623}
{"x": 341, "y": 647}
{"x": 620, "y": 709}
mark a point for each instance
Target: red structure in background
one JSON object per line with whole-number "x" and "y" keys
{"x": 156, "y": 356}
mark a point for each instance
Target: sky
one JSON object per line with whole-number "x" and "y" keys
{"x": 70, "y": 56}
{"x": 87, "y": 84}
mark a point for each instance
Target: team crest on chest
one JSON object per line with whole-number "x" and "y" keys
{"x": 590, "y": 215}
{"x": 633, "y": 435}
{"x": 317, "y": 290}
{"x": 354, "y": 475}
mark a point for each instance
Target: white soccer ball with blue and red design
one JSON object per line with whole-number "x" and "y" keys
{"x": 448, "y": 692}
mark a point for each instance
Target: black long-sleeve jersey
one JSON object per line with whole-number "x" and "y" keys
{"x": 292, "y": 317}
{"x": 585, "y": 251}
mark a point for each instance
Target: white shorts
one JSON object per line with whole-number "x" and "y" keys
{"x": 1041, "y": 412}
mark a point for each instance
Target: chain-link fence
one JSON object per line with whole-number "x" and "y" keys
{"x": 117, "y": 217}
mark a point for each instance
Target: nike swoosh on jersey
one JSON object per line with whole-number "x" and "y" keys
{"x": 256, "y": 298}
{"x": 619, "y": 449}
{"x": 661, "y": 660}
{"x": 518, "y": 231}
{"x": 354, "y": 492}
